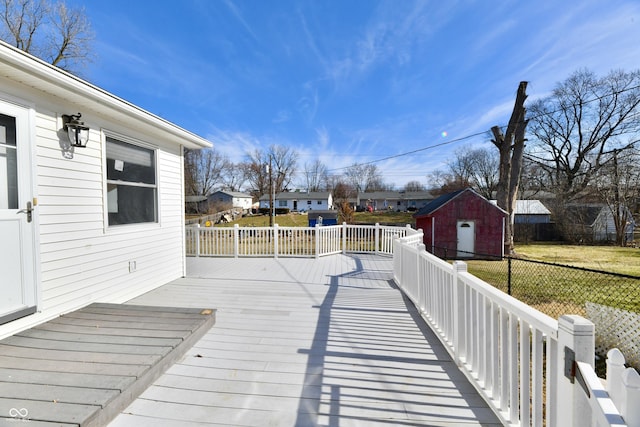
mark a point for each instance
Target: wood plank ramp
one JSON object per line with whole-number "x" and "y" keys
{"x": 83, "y": 368}
{"x": 305, "y": 342}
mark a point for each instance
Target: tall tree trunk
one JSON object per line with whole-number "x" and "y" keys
{"x": 511, "y": 147}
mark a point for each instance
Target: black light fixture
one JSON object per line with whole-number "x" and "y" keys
{"x": 76, "y": 130}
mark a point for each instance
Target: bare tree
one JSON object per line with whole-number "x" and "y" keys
{"x": 54, "y": 32}
{"x": 364, "y": 177}
{"x": 445, "y": 181}
{"x": 511, "y": 148}
{"x": 476, "y": 167}
{"x": 270, "y": 170}
{"x": 315, "y": 175}
{"x": 414, "y": 186}
{"x": 203, "y": 171}
{"x": 581, "y": 124}
{"x": 233, "y": 177}
{"x": 617, "y": 184}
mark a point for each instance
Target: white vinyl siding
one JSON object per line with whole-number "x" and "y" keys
{"x": 81, "y": 260}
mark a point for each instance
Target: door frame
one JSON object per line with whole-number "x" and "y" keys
{"x": 25, "y": 124}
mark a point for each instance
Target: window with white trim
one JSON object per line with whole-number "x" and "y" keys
{"x": 132, "y": 192}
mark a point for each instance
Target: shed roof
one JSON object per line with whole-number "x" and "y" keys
{"x": 529, "y": 207}
{"x": 236, "y": 194}
{"x": 436, "y": 204}
{"x": 21, "y": 67}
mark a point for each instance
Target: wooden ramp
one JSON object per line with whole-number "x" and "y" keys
{"x": 84, "y": 368}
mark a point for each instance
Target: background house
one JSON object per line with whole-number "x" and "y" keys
{"x": 595, "y": 223}
{"x": 532, "y": 222}
{"x": 298, "y": 201}
{"x": 395, "y": 200}
{"x": 462, "y": 224}
{"x": 225, "y": 200}
{"x": 79, "y": 225}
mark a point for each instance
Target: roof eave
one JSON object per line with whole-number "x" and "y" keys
{"x": 22, "y": 67}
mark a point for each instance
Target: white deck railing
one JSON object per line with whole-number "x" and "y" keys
{"x": 532, "y": 369}
{"x": 292, "y": 241}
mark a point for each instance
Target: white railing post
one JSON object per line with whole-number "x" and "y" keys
{"x": 576, "y": 343}
{"x": 344, "y": 238}
{"x": 198, "y": 240}
{"x": 275, "y": 241}
{"x": 458, "y": 311}
{"x": 318, "y": 237}
{"x": 630, "y": 407}
{"x": 376, "y": 238}
{"x": 615, "y": 368}
{"x": 236, "y": 240}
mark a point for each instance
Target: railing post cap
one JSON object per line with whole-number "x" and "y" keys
{"x": 576, "y": 324}
{"x": 460, "y": 266}
{"x": 631, "y": 378}
{"x": 615, "y": 357}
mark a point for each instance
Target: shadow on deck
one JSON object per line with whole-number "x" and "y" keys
{"x": 373, "y": 363}
{"x": 296, "y": 342}
{"x": 299, "y": 342}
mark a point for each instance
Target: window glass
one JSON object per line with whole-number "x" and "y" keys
{"x": 131, "y": 183}
{"x": 8, "y": 163}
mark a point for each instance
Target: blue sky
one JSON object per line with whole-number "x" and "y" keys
{"x": 351, "y": 81}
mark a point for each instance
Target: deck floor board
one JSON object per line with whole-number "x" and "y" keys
{"x": 305, "y": 342}
{"x": 84, "y": 373}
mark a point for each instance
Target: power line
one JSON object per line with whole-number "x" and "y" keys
{"x": 412, "y": 152}
{"x": 597, "y": 98}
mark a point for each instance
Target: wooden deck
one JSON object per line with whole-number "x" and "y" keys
{"x": 84, "y": 368}
{"x": 304, "y": 342}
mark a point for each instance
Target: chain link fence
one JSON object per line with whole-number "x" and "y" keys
{"x": 557, "y": 289}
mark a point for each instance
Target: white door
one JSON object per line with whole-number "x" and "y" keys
{"x": 466, "y": 238}
{"x": 17, "y": 244}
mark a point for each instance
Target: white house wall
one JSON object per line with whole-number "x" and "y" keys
{"x": 81, "y": 259}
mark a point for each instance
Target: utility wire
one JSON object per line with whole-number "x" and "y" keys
{"x": 503, "y": 127}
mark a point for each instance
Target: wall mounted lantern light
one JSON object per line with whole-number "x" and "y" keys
{"x": 76, "y": 130}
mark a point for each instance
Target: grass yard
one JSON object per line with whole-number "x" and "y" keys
{"x": 607, "y": 258}
{"x": 557, "y": 290}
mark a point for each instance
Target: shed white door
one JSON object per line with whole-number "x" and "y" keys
{"x": 466, "y": 238}
{"x": 17, "y": 244}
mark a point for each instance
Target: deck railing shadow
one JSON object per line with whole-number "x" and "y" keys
{"x": 532, "y": 369}
{"x": 356, "y": 335}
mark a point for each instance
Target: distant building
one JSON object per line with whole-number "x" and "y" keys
{"x": 394, "y": 200}
{"x": 298, "y": 201}
{"x": 232, "y": 199}
{"x": 595, "y": 222}
{"x": 219, "y": 201}
{"x": 530, "y": 212}
{"x": 462, "y": 224}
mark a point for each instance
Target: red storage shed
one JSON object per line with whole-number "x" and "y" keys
{"x": 462, "y": 224}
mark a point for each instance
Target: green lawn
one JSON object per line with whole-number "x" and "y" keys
{"x": 558, "y": 290}
{"x": 608, "y": 258}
